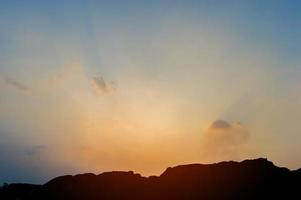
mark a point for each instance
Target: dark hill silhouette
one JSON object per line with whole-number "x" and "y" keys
{"x": 16, "y": 191}
{"x": 249, "y": 179}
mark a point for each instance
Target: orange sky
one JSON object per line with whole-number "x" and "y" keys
{"x": 90, "y": 89}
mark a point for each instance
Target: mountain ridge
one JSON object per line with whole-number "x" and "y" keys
{"x": 248, "y": 179}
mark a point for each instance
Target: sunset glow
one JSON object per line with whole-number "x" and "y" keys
{"x": 91, "y": 86}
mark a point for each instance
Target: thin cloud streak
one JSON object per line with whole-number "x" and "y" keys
{"x": 16, "y": 84}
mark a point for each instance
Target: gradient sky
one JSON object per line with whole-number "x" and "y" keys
{"x": 92, "y": 86}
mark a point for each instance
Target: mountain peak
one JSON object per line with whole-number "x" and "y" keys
{"x": 256, "y": 163}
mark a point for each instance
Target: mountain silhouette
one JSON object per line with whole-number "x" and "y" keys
{"x": 249, "y": 179}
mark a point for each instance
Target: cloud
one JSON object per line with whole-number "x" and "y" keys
{"x": 16, "y": 84}
{"x": 220, "y": 124}
{"x": 101, "y": 85}
{"x": 223, "y": 141}
{"x": 33, "y": 150}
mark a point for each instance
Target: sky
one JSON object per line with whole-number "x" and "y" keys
{"x": 94, "y": 86}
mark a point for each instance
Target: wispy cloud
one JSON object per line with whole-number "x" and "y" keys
{"x": 16, "y": 84}
{"x": 101, "y": 85}
{"x": 31, "y": 151}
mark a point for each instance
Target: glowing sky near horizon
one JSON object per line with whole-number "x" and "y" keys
{"x": 92, "y": 86}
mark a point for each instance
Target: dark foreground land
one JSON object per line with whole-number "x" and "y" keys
{"x": 249, "y": 179}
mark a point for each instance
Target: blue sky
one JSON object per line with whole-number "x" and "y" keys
{"x": 269, "y": 24}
